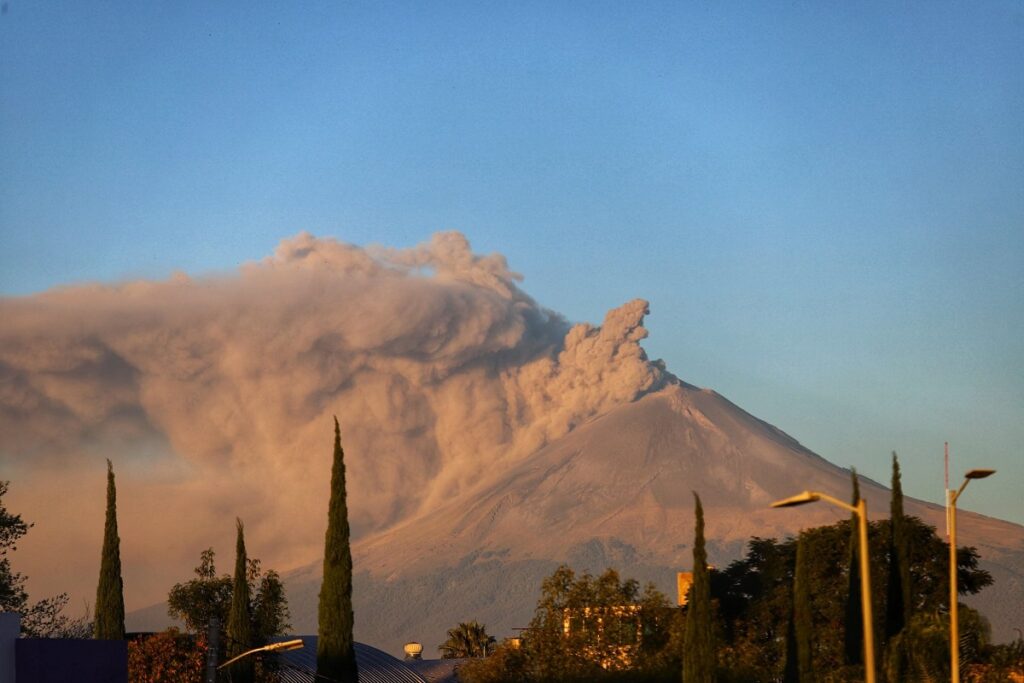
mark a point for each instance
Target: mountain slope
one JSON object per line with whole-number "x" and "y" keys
{"x": 616, "y": 492}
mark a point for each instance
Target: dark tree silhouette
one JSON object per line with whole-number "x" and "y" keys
{"x": 109, "y": 617}
{"x": 239, "y": 630}
{"x": 698, "y": 643}
{"x": 335, "y": 653}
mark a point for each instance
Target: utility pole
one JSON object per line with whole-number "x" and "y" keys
{"x": 213, "y": 644}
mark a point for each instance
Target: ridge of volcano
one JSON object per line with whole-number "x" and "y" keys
{"x": 616, "y": 492}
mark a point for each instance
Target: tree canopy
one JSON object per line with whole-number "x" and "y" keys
{"x": 335, "y": 654}
{"x": 754, "y": 598}
{"x": 589, "y": 627}
{"x": 209, "y": 595}
{"x": 468, "y": 639}
{"x": 109, "y": 611}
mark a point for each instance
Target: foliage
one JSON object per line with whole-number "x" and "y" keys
{"x": 802, "y": 617}
{"x": 506, "y": 663}
{"x": 109, "y": 615}
{"x": 166, "y": 657}
{"x": 897, "y": 604}
{"x": 12, "y": 528}
{"x": 920, "y": 652}
{"x": 209, "y": 595}
{"x": 589, "y": 628}
{"x": 269, "y": 605}
{"x": 239, "y": 629}
{"x": 698, "y": 643}
{"x": 335, "y": 655}
{"x": 754, "y": 599}
{"x": 468, "y": 639}
{"x": 757, "y": 601}
{"x": 42, "y": 619}
{"x": 197, "y": 601}
{"x": 1000, "y": 663}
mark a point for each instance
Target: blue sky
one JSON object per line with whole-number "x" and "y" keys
{"x": 824, "y": 202}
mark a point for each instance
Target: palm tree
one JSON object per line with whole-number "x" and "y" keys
{"x": 468, "y": 639}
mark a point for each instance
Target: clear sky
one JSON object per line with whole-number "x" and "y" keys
{"x": 824, "y": 202}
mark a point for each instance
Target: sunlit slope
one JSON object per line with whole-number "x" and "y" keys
{"x": 629, "y": 474}
{"x": 616, "y": 491}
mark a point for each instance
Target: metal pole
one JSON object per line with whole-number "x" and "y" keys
{"x": 954, "y": 624}
{"x": 865, "y": 593}
{"x": 212, "y": 645}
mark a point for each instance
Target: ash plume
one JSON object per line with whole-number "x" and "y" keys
{"x": 213, "y": 396}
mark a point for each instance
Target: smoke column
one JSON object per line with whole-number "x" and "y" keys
{"x": 213, "y": 396}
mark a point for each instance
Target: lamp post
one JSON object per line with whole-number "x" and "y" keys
{"x": 283, "y": 646}
{"x": 954, "y": 622}
{"x": 861, "y": 510}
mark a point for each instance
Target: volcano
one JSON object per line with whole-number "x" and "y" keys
{"x": 487, "y": 438}
{"x": 616, "y": 492}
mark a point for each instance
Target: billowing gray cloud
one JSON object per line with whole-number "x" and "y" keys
{"x": 214, "y": 397}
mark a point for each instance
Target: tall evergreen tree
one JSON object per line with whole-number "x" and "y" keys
{"x": 335, "y": 652}
{"x": 791, "y": 670}
{"x": 897, "y": 604}
{"x": 802, "y": 618}
{"x": 239, "y": 633}
{"x": 109, "y": 618}
{"x": 698, "y": 642}
{"x": 853, "y": 636}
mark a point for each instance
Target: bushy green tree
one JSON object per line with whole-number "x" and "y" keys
{"x": 699, "y": 659}
{"x": 335, "y": 654}
{"x": 109, "y": 610}
{"x": 468, "y": 639}
{"x": 753, "y": 594}
{"x": 209, "y": 595}
{"x": 589, "y": 628}
{"x": 197, "y": 601}
{"x": 269, "y": 604}
{"x": 239, "y": 628}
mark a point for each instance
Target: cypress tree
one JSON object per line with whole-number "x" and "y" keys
{"x": 897, "y": 604}
{"x": 854, "y": 626}
{"x": 698, "y": 643}
{"x": 802, "y": 618}
{"x": 791, "y": 672}
{"x": 335, "y": 652}
{"x": 109, "y": 623}
{"x": 239, "y": 630}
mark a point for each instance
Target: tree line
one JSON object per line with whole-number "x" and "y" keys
{"x": 788, "y": 611}
{"x": 249, "y": 606}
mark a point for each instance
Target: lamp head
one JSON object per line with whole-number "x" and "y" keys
{"x": 979, "y": 474}
{"x": 286, "y": 646}
{"x": 798, "y": 499}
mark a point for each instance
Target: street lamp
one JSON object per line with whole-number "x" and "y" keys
{"x": 284, "y": 646}
{"x": 954, "y": 622}
{"x": 861, "y": 510}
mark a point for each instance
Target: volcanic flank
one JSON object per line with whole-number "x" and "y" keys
{"x": 486, "y": 438}
{"x": 615, "y": 492}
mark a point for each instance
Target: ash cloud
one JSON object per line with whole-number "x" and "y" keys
{"x": 214, "y": 398}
